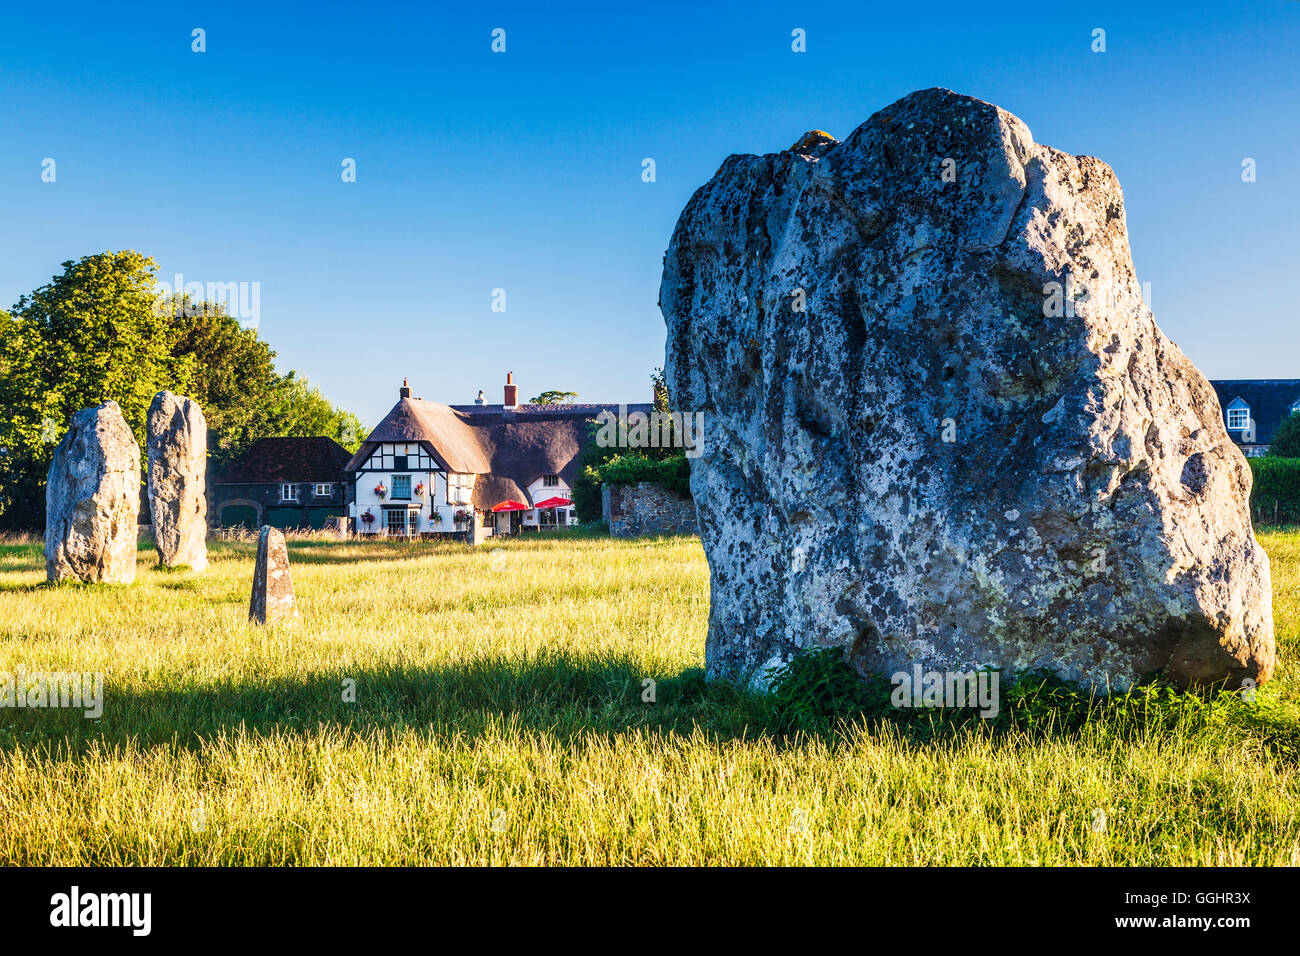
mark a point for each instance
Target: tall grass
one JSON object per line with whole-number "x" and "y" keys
{"x": 500, "y": 718}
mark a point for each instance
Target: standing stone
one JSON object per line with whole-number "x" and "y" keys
{"x": 178, "y": 463}
{"x": 272, "y": 601}
{"x": 941, "y": 425}
{"x": 92, "y": 500}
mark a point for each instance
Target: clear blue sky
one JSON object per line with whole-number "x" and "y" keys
{"x": 522, "y": 170}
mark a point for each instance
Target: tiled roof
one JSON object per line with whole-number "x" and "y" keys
{"x": 287, "y": 459}
{"x": 1270, "y": 400}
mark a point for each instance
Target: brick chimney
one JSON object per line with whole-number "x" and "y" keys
{"x": 512, "y": 391}
{"x": 405, "y": 390}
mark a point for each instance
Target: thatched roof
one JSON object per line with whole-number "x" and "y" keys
{"x": 508, "y": 449}
{"x": 523, "y": 447}
{"x": 441, "y": 430}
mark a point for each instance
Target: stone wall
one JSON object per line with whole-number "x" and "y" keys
{"x": 646, "y": 507}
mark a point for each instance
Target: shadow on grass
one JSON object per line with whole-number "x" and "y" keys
{"x": 13, "y": 587}
{"x": 560, "y": 695}
{"x": 567, "y": 697}
{"x": 94, "y": 587}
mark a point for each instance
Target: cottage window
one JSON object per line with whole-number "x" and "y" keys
{"x": 288, "y": 492}
{"x": 324, "y": 490}
{"x": 1238, "y": 418}
{"x": 458, "y": 487}
{"x": 396, "y": 521}
{"x": 550, "y": 481}
{"x": 402, "y": 487}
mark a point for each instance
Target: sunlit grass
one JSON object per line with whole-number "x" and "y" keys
{"x": 499, "y": 719}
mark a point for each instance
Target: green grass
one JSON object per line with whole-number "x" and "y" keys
{"x": 499, "y": 720}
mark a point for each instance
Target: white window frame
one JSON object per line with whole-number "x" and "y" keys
{"x": 550, "y": 481}
{"x": 329, "y": 489}
{"x": 408, "y": 521}
{"x": 288, "y": 491}
{"x": 458, "y": 488}
{"x": 1241, "y": 423}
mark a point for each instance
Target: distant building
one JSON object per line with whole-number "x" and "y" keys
{"x": 430, "y": 468}
{"x": 283, "y": 482}
{"x": 1254, "y": 408}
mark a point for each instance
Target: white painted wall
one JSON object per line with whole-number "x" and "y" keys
{"x": 540, "y": 491}
{"x": 433, "y": 501}
{"x": 367, "y": 499}
{"x": 444, "y": 495}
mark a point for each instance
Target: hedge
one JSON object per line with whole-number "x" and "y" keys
{"x": 1275, "y": 497}
{"x": 673, "y": 473}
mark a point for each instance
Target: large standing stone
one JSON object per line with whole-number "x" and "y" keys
{"x": 942, "y": 426}
{"x": 273, "y": 600}
{"x": 178, "y": 461}
{"x": 92, "y": 500}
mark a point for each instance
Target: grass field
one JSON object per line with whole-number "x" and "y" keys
{"x": 499, "y": 719}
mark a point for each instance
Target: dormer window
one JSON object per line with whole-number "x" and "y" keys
{"x": 1239, "y": 418}
{"x": 550, "y": 481}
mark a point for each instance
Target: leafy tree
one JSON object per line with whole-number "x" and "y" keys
{"x": 103, "y": 337}
{"x": 554, "y": 397}
{"x": 659, "y": 390}
{"x": 242, "y": 395}
{"x": 666, "y": 464}
{"x": 100, "y": 332}
{"x": 1286, "y": 441}
{"x": 20, "y": 416}
{"x": 300, "y": 410}
{"x": 92, "y": 334}
{"x": 234, "y": 377}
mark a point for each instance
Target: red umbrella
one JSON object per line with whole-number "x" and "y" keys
{"x": 554, "y": 503}
{"x": 510, "y": 505}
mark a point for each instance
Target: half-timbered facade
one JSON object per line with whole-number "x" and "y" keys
{"x": 430, "y": 468}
